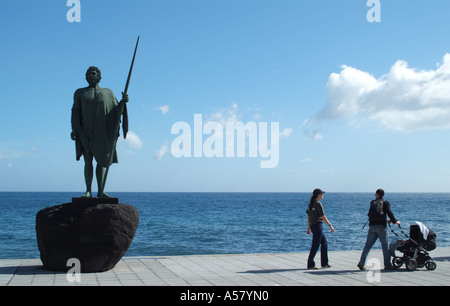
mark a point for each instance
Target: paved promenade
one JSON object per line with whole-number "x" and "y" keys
{"x": 284, "y": 269}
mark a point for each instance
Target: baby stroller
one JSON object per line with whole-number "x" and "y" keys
{"x": 415, "y": 249}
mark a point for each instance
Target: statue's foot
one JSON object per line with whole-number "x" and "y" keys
{"x": 104, "y": 195}
{"x": 87, "y": 195}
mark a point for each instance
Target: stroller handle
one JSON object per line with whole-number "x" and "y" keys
{"x": 389, "y": 223}
{"x": 401, "y": 230}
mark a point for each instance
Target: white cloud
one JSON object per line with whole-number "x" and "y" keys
{"x": 14, "y": 153}
{"x": 134, "y": 141}
{"x": 286, "y": 133}
{"x": 3, "y": 156}
{"x": 314, "y": 134}
{"x": 404, "y": 99}
{"x": 162, "y": 151}
{"x": 164, "y": 109}
{"x": 225, "y": 115}
{"x": 32, "y": 151}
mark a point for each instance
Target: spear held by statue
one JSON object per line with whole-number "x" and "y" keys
{"x": 122, "y": 109}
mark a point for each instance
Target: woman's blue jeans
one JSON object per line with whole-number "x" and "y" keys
{"x": 319, "y": 240}
{"x": 377, "y": 232}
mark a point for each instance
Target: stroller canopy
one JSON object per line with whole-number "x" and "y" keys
{"x": 423, "y": 229}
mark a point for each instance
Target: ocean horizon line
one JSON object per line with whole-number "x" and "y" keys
{"x": 242, "y": 192}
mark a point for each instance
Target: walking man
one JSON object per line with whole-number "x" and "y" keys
{"x": 379, "y": 209}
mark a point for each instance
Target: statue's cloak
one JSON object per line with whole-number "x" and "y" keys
{"x": 95, "y": 116}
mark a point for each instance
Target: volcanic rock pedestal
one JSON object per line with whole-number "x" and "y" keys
{"x": 96, "y": 231}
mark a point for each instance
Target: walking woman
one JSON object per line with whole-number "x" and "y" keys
{"x": 316, "y": 217}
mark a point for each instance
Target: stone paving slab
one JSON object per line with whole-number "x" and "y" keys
{"x": 279, "y": 269}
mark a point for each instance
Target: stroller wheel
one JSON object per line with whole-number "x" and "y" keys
{"x": 411, "y": 264}
{"x": 397, "y": 262}
{"x": 430, "y": 265}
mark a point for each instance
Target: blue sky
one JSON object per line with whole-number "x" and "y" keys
{"x": 360, "y": 105}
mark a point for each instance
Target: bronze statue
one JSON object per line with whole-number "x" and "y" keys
{"x": 95, "y": 114}
{"x": 96, "y": 122}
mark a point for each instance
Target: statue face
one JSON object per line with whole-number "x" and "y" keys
{"x": 93, "y": 77}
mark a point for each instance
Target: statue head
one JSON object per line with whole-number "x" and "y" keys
{"x": 93, "y": 75}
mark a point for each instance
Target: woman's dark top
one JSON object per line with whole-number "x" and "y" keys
{"x": 315, "y": 213}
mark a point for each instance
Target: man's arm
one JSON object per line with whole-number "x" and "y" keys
{"x": 389, "y": 213}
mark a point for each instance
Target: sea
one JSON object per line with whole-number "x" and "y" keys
{"x": 228, "y": 223}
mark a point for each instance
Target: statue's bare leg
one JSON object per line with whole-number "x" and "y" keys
{"x": 88, "y": 174}
{"x": 100, "y": 173}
